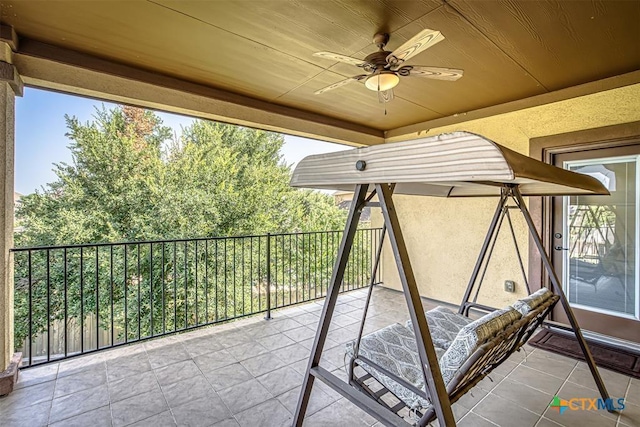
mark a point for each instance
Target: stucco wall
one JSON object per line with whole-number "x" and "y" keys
{"x": 444, "y": 235}
{"x": 7, "y": 115}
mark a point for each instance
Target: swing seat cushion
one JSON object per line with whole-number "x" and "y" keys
{"x": 527, "y": 304}
{"x": 444, "y": 325}
{"x": 472, "y": 336}
{"x": 394, "y": 348}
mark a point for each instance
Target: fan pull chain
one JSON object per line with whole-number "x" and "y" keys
{"x": 385, "y": 103}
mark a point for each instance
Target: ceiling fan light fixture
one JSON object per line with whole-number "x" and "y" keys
{"x": 382, "y": 81}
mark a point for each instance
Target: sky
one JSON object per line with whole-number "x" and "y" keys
{"x": 41, "y": 140}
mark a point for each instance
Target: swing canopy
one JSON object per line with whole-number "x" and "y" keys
{"x": 459, "y": 164}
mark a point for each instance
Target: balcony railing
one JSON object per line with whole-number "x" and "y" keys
{"x": 77, "y": 299}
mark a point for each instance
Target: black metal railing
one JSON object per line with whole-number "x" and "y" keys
{"x": 76, "y": 299}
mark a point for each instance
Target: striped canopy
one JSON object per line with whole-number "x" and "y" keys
{"x": 459, "y": 164}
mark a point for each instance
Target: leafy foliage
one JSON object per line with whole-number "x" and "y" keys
{"x": 131, "y": 179}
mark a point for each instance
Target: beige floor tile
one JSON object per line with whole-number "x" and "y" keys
{"x": 550, "y": 366}
{"x": 504, "y": 413}
{"x": 524, "y": 396}
{"x": 137, "y": 408}
{"x": 505, "y": 367}
{"x": 228, "y": 376}
{"x": 540, "y": 353}
{"x": 318, "y": 400}
{"x": 229, "y": 422}
{"x": 262, "y": 364}
{"x": 163, "y": 419}
{"x": 37, "y": 415}
{"x": 246, "y": 351}
{"x": 181, "y": 392}
{"x": 77, "y": 403}
{"x": 545, "y": 422}
{"x": 131, "y": 386}
{"x": 292, "y": 353}
{"x": 633, "y": 393}
{"x": 157, "y": 343}
{"x": 176, "y": 372}
{"x": 275, "y": 341}
{"x": 300, "y": 334}
{"x": 201, "y": 412}
{"x": 472, "y": 397}
{"x": 38, "y": 375}
{"x": 340, "y": 413}
{"x": 244, "y": 395}
{"x": 536, "y": 379}
{"x": 491, "y": 381}
{"x": 167, "y": 355}
{"x": 280, "y": 380}
{"x": 100, "y": 417}
{"x": 28, "y": 396}
{"x": 285, "y": 324}
{"x": 630, "y": 415}
{"x": 212, "y": 361}
{"x": 334, "y": 357}
{"x": 80, "y": 381}
{"x": 615, "y": 383}
{"x": 328, "y": 344}
{"x": 306, "y": 318}
{"x": 267, "y": 414}
{"x": 125, "y": 366}
{"x": 83, "y": 363}
{"x": 474, "y": 420}
{"x": 197, "y": 346}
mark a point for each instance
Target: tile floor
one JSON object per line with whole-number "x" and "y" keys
{"x": 248, "y": 373}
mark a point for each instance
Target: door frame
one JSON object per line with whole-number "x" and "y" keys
{"x": 544, "y": 149}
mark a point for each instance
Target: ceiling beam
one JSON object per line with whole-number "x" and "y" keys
{"x": 50, "y": 67}
{"x": 420, "y": 129}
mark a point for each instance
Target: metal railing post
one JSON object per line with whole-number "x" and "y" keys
{"x": 268, "y": 316}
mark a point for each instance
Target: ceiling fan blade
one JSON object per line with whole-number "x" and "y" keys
{"x": 341, "y": 58}
{"x": 421, "y": 41}
{"x": 385, "y": 96}
{"x": 435, "y": 72}
{"x": 340, "y": 83}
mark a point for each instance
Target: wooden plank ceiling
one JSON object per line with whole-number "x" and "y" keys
{"x": 263, "y": 49}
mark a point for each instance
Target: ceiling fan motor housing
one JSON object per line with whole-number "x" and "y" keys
{"x": 381, "y": 40}
{"x": 377, "y": 59}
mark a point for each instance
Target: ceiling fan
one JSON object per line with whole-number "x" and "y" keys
{"x": 384, "y": 68}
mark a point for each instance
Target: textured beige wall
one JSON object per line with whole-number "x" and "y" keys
{"x": 444, "y": 235}
{"x": 7, "y": 102}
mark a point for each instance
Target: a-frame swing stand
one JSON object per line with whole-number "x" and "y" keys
{"x": 435, "y": 388}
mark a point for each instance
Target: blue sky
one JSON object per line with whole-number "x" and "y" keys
{"x": 41, "y": 141}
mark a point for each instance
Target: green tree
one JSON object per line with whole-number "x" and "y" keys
{"x": 111, "y": 189}
{"x": 132, "y": 180}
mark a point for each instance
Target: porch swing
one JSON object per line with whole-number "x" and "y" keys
{"x": 411, "y": 374}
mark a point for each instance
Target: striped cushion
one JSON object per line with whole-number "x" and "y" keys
{"x": 473, "y": 336}
{"x": 525, "y": 305}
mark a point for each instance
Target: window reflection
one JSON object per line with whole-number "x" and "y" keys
{"x": 600, "y": 242}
